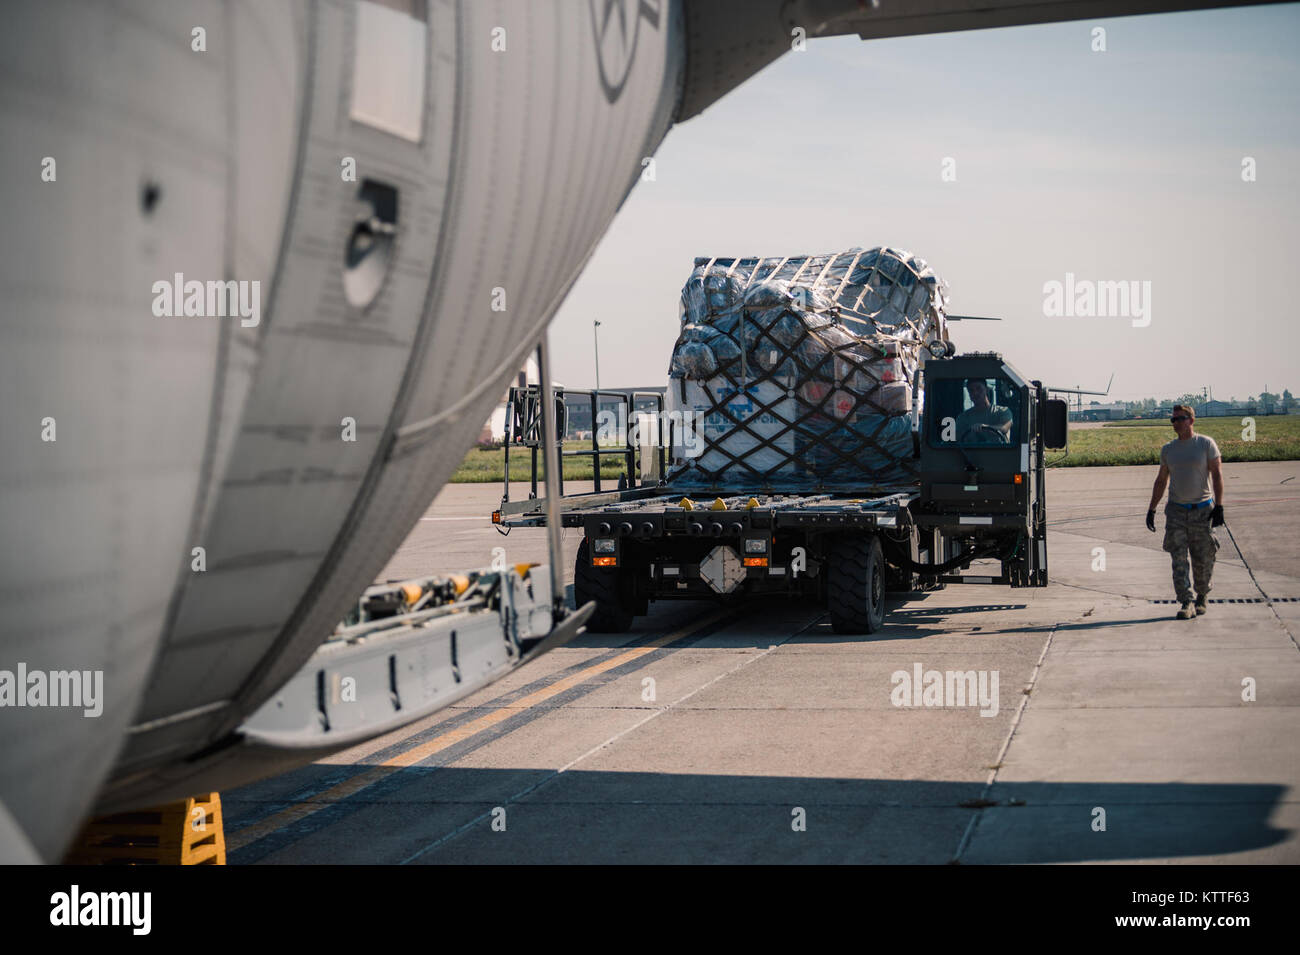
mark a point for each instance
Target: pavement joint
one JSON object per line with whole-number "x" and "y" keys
{"x": 1278, "y": 616}
{"x": 1002, "y": 754}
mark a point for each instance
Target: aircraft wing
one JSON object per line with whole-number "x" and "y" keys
{"x": 730, "y": 40}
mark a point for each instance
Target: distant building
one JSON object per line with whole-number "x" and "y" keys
{"x": 495, "y": 429}
{"x": 1164, "y": 411}
{"x": 1212, "y": 409}
{"x": 1095, "y": 411}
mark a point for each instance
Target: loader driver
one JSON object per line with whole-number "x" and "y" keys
{"x": 984, "y": 423}
{"x": 1189, "y": 465}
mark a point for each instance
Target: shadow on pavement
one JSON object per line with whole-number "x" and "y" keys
{"x": 445, "y": 814}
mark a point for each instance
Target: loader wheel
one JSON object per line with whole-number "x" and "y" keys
{"x": 855, "y": 591}
{"x": 609, "y": 590}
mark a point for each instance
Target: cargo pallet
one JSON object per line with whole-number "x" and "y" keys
{"x": 185, "y": 832}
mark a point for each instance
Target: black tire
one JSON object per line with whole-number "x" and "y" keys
{"x": 855, "y": 585}
{"x": 605, "y": 587}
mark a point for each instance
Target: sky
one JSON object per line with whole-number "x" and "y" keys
{"x": 1122, "y": 165}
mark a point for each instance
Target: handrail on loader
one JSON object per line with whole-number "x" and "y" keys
{"x": 523, "y": 429}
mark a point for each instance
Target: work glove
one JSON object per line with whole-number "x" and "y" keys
{"x": 1151, "y": 521}
{"x": 1216, "y": 516}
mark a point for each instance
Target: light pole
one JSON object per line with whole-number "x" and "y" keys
{"x": 595, "y": 340}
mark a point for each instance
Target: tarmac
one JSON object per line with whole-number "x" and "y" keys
{"x": 755, "y": 734}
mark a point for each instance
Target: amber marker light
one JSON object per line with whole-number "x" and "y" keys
{"x": 1019, "y": 479}
{"x": 604, "y": 561}
{"x": 755, "y": 561}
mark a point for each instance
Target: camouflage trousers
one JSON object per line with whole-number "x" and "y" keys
{"x": 1188, "y": 534}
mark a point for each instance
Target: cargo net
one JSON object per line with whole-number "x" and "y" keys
{"x": 797, "y": 372}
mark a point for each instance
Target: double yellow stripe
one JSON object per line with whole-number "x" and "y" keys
{"x": 380, "y": 771}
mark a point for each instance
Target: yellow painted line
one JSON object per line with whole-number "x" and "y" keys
{"x": 380, "y": 771}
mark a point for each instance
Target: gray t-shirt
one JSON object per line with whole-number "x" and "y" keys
{"x": 1189, "y": 468}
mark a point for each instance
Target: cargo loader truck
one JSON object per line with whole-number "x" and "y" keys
{"x": 977, "y": 493}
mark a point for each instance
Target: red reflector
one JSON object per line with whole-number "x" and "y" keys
{"x": 1019, "y": 479}
{"x": 755, "y": 561}
{"x": 604, "y": 561}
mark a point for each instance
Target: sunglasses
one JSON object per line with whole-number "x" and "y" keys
{"x": 1179, "y": 417}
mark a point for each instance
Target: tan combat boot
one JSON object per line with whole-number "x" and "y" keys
{"x": 1201, "y": 604}
{"x": 1186, "y": 613}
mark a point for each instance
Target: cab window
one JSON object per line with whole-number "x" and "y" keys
{"x": 973, "y": 412}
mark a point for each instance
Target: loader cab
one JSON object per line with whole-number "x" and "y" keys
{"x": 975, "y": 412}
{"x": 983, "y": 480}
{"x": 977, "y": 435}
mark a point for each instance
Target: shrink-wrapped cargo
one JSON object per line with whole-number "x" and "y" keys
{"x": 799, "y": 370}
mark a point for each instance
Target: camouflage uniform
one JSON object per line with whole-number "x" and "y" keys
{"x": 1189, "y": 531}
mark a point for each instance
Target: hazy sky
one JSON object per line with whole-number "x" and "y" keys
{"x": 1122, "y": 165}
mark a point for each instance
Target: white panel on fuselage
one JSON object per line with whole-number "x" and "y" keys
{"x": 388, "y": 74}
